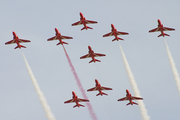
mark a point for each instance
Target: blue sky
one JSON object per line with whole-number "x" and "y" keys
{"x": 146, "y": 54}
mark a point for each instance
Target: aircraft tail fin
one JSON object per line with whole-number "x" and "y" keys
{"x": 163, "y": 35}
{"x": 19, "y": 47}
{"x": 86, "y": 28}
{"x": 95, "y": 61}
{"x": 63, "y": 43}
{"x": 117, "y": 39}
{"x": 132, "y": 103}
{"x": 102, "y": 94}
{"x": 78, "y": 106}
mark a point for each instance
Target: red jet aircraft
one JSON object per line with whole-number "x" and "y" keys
{"x": 92, "y": 55}
{"x": 76, "y": 100}
{"x": 115, "y": 33}
{"x": 130, "y": 98}
{"x": 17, "y": 41}
{"x": 161, "y": 29}
{"x": 84, "y": 22}
{"x": 59, "y": 37}
{"x": 99, "y": 88}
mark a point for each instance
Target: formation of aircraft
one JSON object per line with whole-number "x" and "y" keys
{"x": 115, "y": 33}
{"x": 99, "y": 88}
{"x": 83, "y": 21}
{"x": 92, "y": 55}
{"x": 59, "y": 37}
{"x": 17, "y": 41}
{"x": 76, "y": 100}
{"x": 130, "y": 98}
{"x": 161, "y": 28}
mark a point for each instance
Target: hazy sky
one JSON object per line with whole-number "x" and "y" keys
{"x": 146, "y": 53}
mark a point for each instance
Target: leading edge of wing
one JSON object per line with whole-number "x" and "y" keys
{"x": 90, "y": 22}
{"x": 122, "y": 33}
{"x": 98, "y": 55}
{"x": 168, "y": 29}
{"x": 66, "y": 37}
{"x": 86, "y": 56}
{"x": 106, "y": 88}
{"x": 10, "y": 42}
{"x": 77, "y": 23}
{"x": 23, "y": 41}
{"x": 52, "y": 38}
{"x": 155, "y": 30}
{"x": 92, "y": 89}
{"x": 82, "y": 100}
{"x": 108, "y": 34}
{"x": 69, "y": 101}
{"x": 136, "y": 98}
{"x": 123, "y": 99}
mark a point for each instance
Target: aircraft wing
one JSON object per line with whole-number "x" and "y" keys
{"x": 93, "y": 89}
{"x": 19, "y": 40}
{"x": 23, "y": 41}
{"x": 122, "y": 33}
{"x": 164, "y": 29}
{"x": 136, "y": 98}
{"x": 10, "y": 42}
{"x": 82, "y": 100}
{"x": 77, "y": 23}
{"x": 108, "y": 34}
{"x": 53, "y": 38}
{"x": 90, "y": 22}
{"x": 123, "y": 99}
{"x": 155, "y": 30}
{"x": 85, "y": 56}
{"x": 66, "y": 37}
{"x": 69, "y": 101}
{"x": 106, "y": 88}
{"x": 98, "y": 54}
{"x": 168, "y": 29}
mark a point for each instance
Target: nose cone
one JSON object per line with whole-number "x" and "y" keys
{"x": 56, "y": 30}
{"x": 73, "y": 93}
{"x": 159, "y": 21}
{"x": 81, "y": 14}
{"x": 14, "y": 33}
{"x": 96, "y": 81}
{"x": 127, "y": 91}
{"x": 89, "y": 47}
{"x": 112, "y": 26}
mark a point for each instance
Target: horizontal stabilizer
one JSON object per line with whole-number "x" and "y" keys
{"x": 132, "y": 103}
{"x": 128, "y": 104}
{"x": 78, "y": 106}
{"x": 102, "y": 94}
{"x": 163, "y": 35}
{"x": 23, "y": 46}
{"x": 91, "y": 61}
{"x": 135, "y": 103}
{"x": 95, "y": 61}
{"x": 117, "y": 39}
{"x": 86, "y": 28}
{"x": 17, "y": 47}
{"x": 63, "y": 43}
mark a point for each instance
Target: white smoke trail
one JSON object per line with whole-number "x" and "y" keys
{"x": 173, "y": 66}
{"x": 134, "y": 86}
{"x": 43, "y": 100}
